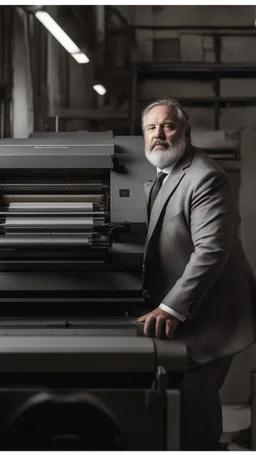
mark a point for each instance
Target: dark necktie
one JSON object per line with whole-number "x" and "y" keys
{"x": 155, "y": 190}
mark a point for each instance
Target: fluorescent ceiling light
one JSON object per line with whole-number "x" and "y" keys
{"x": 99, "y": 89}
{"x": 80, "y": 57}
{"x": 57, "y": 31}
{"x": 61, "y": 36}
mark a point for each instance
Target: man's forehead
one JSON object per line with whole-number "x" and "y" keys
{"x": 162, "y": 111}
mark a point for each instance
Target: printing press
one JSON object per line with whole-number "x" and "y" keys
{"x": 76, "y": 371}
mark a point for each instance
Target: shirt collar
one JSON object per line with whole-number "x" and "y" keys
{"x": 166, "y": 170}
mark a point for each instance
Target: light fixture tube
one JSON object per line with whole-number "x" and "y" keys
{"x": 100, "y": 89}
{"x": 80, "y": 57}
{"x": 61, "y": 36}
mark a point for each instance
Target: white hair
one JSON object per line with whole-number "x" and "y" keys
{"x": 171, "y": 102}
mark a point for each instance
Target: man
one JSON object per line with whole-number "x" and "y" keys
{"x": 196, "y": 276}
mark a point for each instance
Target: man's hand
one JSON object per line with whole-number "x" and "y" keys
{"x": 157, "y": 322}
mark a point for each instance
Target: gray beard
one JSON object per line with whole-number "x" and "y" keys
{"x": 167, "y": 157}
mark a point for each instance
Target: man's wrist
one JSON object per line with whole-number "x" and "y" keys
{"x": 172, "y": 312}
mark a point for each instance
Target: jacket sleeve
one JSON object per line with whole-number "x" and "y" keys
{"x": 213, "y": 217}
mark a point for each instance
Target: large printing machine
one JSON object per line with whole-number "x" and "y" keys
{"x": 75, "y": 369}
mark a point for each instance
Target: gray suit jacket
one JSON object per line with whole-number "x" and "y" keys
{"x": 194, "y": 262}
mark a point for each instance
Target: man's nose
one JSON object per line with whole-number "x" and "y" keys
{"x": 159, "y": 132}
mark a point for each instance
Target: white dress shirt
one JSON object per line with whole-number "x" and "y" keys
{"x": 177, "y": 315}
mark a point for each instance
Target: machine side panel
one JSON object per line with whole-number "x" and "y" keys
{"x": 127, "y": 188}
{"x": 173, "y": 420}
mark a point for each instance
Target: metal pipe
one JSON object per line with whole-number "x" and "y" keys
{"x": 7, "y": 65}
{"x": 100, "y": 27}
{"x": 42, "y": 242}
{"x": 29, "y": 29}
{"x": 29, "y": 227}
{"x": 190, "y": 27}
{"x": 56, "y": 124}
{"x": 52, "y": 185}
{"x": 57, "y": 214}
{"x": 133, "y": 100}
{"x": 93, "y": 114}
{"x": 217, "y": 47}
{"x": 61, "y": 227}
{"x": 9, "y": 198}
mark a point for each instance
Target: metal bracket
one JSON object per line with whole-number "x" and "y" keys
{"x": 157, "y": 395}
{"x": 162, "y": 381}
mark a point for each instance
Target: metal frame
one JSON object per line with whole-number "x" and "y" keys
{"x": 200, "y": 71}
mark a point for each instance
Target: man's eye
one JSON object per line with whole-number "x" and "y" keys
{"x": 168, "y": 126}
{"x": 151, "y": 128}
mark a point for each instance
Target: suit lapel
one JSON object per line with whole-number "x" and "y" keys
{"x": 170, "y": 185}
{"x": 147, "y": 187}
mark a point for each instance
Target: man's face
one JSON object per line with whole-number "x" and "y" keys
{"x": 164, "y": 137}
